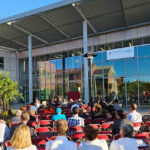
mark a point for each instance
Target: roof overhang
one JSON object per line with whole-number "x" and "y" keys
{"x": 62, "y": 21}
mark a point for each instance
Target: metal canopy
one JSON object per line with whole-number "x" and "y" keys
{"x": 62, "y": 21}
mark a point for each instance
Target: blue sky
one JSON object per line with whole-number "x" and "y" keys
{"x": 13, "y": 7}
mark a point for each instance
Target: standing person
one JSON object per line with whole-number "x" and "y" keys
{"x": 4, "y": 132}
{"x": 21, "y": 140}
{"x": 134, "y": 116}
{"x": 92, "y": 142}
{"x": 58, "y": 115}
{"x": 126, "y": 142}
{"x": 61, "y": 142}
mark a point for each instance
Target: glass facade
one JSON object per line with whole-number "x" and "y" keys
{"x": 60, "y": 73}
{"x": 53, "y": 75}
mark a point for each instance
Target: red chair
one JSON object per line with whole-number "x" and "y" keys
{"x": 104, "y": 136}
{"x": 99, "y": 120}
{"x": 38, "y": 141}
{"x": 106, "y": 126}
{"x": 147, "y": 124}
{"x": 143, "y": 136}
{"x": 8, "y": 144}
{"x": 40, "y": 111}
{"x": 54, "y": 123}
{"x": 12, "y": 123}
{"x": 117, "y": 136}
{"x": 53, "y": 138}
{"x": 105, "y": 132}
{"x": 77, "y": 136}
{"x": 137, "y": 124}
{"x": 77, "y": 144}
{"x": 32, "y": 124}
{"x": 41, "y": 147}
{"x": 45, "y": 117}
{"x": 87, "y": 121}
{"x": 95, "y": 126}
{"x": 43, "y": 130}
{"x": 76, "y": 129}
{"x": 44, "y": 123}
{"x": 44, "y": 136}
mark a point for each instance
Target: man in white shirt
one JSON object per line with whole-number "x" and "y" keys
{"x": 4, "y": 131}
{"x": 61, "y": 142}
{"x": 134, "y": 116}
{"x": 126, "y": 142}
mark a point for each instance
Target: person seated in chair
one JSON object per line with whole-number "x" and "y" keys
{"x": 120, "y": 121}
{"x": 92, "y": 142}
{"x": 134, "y": 116}
{"x": 61, "y": 142}
{"x": 58, "y": 115}
{"x": 126, "y": 142}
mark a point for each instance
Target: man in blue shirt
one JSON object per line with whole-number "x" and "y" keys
{"x": 58, "y": 115}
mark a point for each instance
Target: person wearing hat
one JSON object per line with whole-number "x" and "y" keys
{"x": 58, "y": 115}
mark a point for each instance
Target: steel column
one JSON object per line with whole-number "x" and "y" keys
{"x": 86, "y": 75}
{"x": 30, "y": 68}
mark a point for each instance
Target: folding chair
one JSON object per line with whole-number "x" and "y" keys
{"x": 106, "y": 126}
{"x": 137, "y": 125}
{"x": 12, "y": 123}
{"x": 76, "y": 129}
{"x": 146, "y": 126}
{"x": 95, "y": 126}
{"x": 41, "y": 147}
{"x": 38, "y": 141}
{"x": 46, "y": 117}
{"x": 87, "y": 121}
{"x": 143, "y": 136}
{"x": 40, "y": 111}
{"x": 8, "y": 144}
{"x": 44, "y": 136}
{"x": 78, "y": 143}
{"x": 43, "y": 130}
{"x": 77, "y": 136}
{"x": 116, "y": 137}
{"x": 32, "y": 124}
{"x": 44, "y": 123}
{"x": 98, "y": 120}
{"x": 104, "y": 136}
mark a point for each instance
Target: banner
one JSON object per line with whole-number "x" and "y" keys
{"x": 127, "y": 52}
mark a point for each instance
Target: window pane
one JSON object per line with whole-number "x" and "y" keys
{"x": 144, "y": 51}
{"x": 131, "y": 67}
{"x": 144, "y": 66}
{"x": 108, "y": 69}
{"x": 119, "y": 69}
{"x": 98, "y": 58}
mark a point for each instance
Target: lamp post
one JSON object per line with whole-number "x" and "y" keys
{"x": 90, "y": 57}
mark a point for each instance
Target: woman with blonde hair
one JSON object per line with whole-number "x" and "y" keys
{"x": 21, "y": 139}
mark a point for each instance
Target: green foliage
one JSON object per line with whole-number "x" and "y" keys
{"x": 9, "y": 89}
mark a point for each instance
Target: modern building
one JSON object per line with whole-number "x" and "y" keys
{"x": 43, "y": 49}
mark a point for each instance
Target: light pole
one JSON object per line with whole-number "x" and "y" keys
{"x": 90, "y": 57}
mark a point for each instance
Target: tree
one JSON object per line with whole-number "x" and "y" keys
{"x": 9, "y": 90}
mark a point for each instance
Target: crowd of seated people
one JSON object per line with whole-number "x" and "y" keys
{"x": 68, "y": 115}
